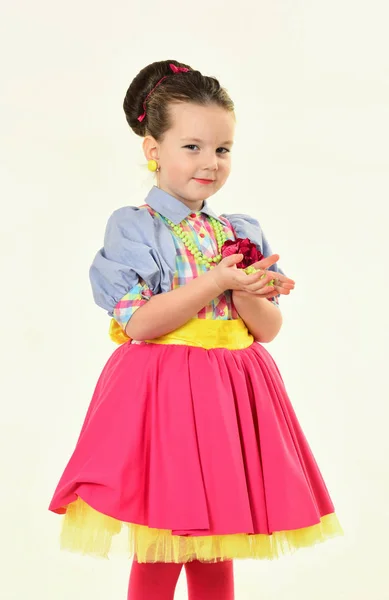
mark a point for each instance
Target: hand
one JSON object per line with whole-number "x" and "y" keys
{"x": 228, "y": 277}
{"x": 283, "y": 285}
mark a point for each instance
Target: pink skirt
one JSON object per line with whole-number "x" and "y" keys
{"x": 197, "y": 443}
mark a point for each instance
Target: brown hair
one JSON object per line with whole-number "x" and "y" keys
{"x": 189, "y": 86}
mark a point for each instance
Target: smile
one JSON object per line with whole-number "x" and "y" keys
{"x": 204, "y": 181}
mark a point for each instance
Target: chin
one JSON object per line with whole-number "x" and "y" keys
{"x": 207, "y": 190}
{"x": 203, "y": 194}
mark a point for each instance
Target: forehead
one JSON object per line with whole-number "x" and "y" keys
{"x": 205, "y": 122}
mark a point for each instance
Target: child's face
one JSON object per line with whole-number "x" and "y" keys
{"x": 197, "y": 146}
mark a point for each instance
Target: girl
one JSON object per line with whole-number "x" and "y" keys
{"x": 190, "y": 439}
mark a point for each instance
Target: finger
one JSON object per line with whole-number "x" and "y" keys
{"x": 268, "y": 294}
{"x": 264, "y": 263}
{"x": 261, "y": 284}
{"x": 268, "y": 290}
{"x": 261, "y": 265}
{"x": 282, "y": 291}
{"x": 265, "y": 293}
{"x": 246, "y": 279}
{"x": 283, "y": 286}
{"x": 231, "y": 260}
{"x": 281, "y": 280}
{"x": 278, "y": 291}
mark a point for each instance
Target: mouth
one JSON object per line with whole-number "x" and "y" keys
{"x": 204, "y": 181}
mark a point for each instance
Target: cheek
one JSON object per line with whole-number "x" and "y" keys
{"x": 180, "y": 163}
{"x": 176, "y": 166}
{"x": 225, "y": 168}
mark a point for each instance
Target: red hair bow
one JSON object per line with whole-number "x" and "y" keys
{"x": 175, "y": 70}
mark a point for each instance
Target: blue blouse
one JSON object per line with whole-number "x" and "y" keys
{"x": 139, "y": 247}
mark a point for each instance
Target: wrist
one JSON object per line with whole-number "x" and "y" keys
{"x": 244, "y": 294}
{"x": 240, "y": 293}
{"x": 214, "y": 281}
{"x": 240, "y": 298}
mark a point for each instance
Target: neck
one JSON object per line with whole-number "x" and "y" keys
{"x": 194, "y": 205}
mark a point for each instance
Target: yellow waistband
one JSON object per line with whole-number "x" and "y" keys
{"x": 203, "y": 333}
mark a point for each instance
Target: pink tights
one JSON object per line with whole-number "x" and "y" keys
{"x": 157, "y": 581}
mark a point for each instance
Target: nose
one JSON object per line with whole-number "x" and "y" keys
{"x": 212, "y": 163}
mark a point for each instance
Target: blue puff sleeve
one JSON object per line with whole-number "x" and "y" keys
{"x": 246, "y": 226}
{"x": 135, "y": 248}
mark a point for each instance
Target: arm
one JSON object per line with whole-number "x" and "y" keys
{"x": 263, "y": 319}
{"x": 167, "y": 311}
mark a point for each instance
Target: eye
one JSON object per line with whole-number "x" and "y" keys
{"x": 219, "y": 150}
{"x": 225, "y": 150}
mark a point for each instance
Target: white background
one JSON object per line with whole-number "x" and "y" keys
{"x": 310, "y": 83}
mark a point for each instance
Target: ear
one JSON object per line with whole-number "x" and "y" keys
{"x": 150, "y": 148}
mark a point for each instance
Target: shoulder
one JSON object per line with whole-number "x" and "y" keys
{"x": 243, "y": 225}
{"x": 130, "y": 222}
{"x": 133, "y": 231}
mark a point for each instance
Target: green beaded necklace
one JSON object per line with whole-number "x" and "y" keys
{"x": 199, "y": 256}
{"x": 193, "y": 249}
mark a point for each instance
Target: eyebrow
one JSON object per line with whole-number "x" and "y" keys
{"x": 193, "y": 139}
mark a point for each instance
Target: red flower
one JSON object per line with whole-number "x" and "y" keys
{"x": 242, "y": 246}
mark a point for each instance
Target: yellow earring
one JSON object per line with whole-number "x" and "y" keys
{"x": 152, "y": 165}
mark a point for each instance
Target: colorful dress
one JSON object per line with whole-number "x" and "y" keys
{"x": 190, "y": 445}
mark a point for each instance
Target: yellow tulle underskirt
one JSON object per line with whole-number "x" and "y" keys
{"x": 89, "y": 532}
